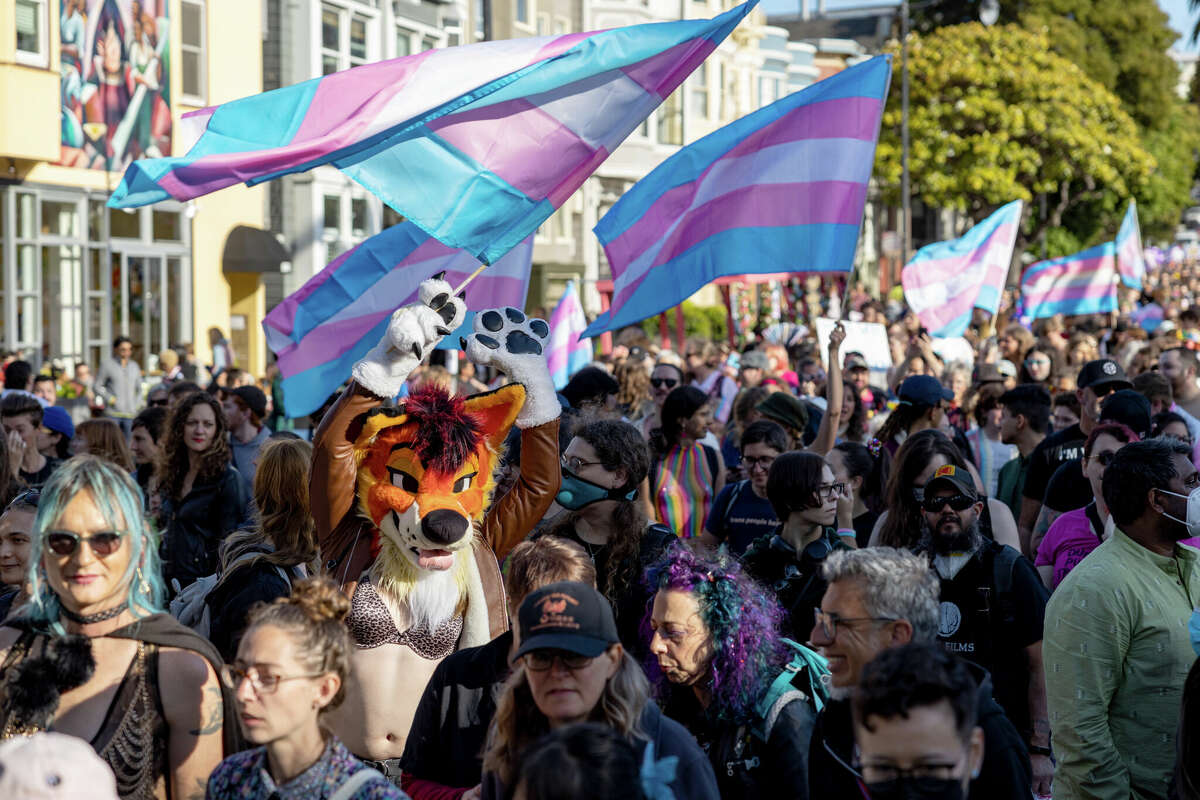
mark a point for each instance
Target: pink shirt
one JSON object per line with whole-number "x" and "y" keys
{"x": 1068, "y": 542}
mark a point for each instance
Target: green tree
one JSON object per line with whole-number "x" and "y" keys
{"x": 996, "y": 115}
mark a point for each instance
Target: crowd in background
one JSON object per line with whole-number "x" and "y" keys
{"x": 802, "y": 578}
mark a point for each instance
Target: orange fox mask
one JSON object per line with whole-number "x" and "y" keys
{"x": 425, "y": 470}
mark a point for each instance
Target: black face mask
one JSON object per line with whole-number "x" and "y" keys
{"x": 907, "y": 788}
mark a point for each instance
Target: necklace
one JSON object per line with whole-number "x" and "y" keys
{"x": 89, "y": 619}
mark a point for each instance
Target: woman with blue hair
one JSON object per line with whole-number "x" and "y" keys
{"x": 84, "y": 656}
{"x": 714, "y": 633}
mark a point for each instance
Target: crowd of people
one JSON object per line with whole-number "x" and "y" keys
{"x": 768, "y": 571}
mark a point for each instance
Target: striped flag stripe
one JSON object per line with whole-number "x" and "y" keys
{"x": 1082, "y": 283}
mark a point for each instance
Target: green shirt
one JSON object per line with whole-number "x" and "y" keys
{"x": 1010, "y": 484}
{"x": 1116, "y": 652}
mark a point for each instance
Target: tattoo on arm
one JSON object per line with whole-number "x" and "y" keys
{"x": 216, "y": 717}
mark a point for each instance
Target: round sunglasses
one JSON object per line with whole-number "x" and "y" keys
{"x": 659, "y": 383}
{"x": 65, "y": 543}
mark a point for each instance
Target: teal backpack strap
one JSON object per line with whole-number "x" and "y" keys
{"x": 809, "y": 661}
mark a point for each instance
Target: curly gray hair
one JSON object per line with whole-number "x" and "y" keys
{"x": 895, "y": 584}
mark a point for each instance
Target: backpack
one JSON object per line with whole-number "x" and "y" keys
{"x": 813, "y": 688}
{"x": 190, "y": 605}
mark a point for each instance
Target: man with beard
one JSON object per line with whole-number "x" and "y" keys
{"x": 1117, "y": 644}
{"x": 993, "y": 605}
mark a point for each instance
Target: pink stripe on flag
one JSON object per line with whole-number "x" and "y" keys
{"x": 923, "y": 273}
{"x": 760, "y": 206}
{"x": 360, "y": 93}
{"x": 561, "y": 44}
{"x": 1069, "y": 293}
{"x": 685, "y": 56}
{"x": 511, "y": 139}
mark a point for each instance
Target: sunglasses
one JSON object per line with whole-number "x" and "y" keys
{"x": 659, "y": 383}
{"x": 163, "y": 402}
{"x": 65, "y": 543}
{"x": 542, "y": 660}
{"x": 958, "y": 502}
{"x": 29, "y": 497}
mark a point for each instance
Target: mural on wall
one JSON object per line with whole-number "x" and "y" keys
{"x": 115, "y": 82}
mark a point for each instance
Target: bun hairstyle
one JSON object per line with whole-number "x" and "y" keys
{"x": 314, "y": 616}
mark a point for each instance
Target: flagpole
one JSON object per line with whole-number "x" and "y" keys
{"x": 458, "y": 292}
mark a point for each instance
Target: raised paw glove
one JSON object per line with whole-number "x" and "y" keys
{"x": 515, "y": 344}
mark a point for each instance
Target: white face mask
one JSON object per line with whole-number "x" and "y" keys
{"x": 1193, "y": 511}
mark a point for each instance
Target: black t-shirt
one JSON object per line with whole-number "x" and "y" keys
{"x": 631, "y": 603}
{"x": 979, "y": 625}
{"x": 35, "y": 480}
{"x": 1069, "y": 488}
{"x": 449, "y": 730}
{"x": 739, "y": 516}
{"x": 1054, "y": 450}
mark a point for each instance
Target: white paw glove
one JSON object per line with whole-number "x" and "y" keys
{"x": 515, "y": 344}
{"x": 411, "y": 334}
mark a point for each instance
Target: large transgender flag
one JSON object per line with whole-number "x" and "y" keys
{"x": 477, "y": 145}
{"x": 946, "y": 281}
{"x": 328, "y": 324}
{"x": 1083, "y": 283}
{"x": 567, "y": 353}
{"x": 780, "y": 190}
{"x": 1131, "y": 262}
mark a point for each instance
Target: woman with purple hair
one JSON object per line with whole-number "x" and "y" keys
{"x": 714, "y": 633}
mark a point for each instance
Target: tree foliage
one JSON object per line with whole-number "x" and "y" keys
{"x": 996, "y": 115}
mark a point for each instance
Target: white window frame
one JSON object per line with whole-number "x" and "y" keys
{"x": 417, "y": 35}
{"x": 528, "y": 24}
{"x": 40, "y": 58}
{"x": 347, "y": 13}
{"x": 700, "y": 90}
{"x": 201, "y": 98}
{"x": 543, "y": 24}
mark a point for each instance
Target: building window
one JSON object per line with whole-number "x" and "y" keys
{"x": 562, "y": 26}
{"x": 31, "y": 31}
{"x": 404, "y": 39}
{"x": 333, "y": 215}
{"x": 521, "y": 11}
{"x": 480, "y": 18}
{"x": 453, "y": 28}
{"x": 358, "y": 217}
{"x": 543, "y": 24}
{"x": 343, "y": 39}
{"x": 191, "y": 49}
{"x": 670, "y": 120}
{"x": 700, "y": 90}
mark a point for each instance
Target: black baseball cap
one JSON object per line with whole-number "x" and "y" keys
{"x": 923, "y": 390}
{"x": 960, "y": 479}
{"x": 1129, "y": 408}
{"x": 1102, "y": 372}
{"x": 567, "y": 616}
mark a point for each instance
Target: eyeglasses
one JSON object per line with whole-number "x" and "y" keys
{"x": 162, "y": 402}
{"x": 233, "y": 676}
{"x": 659, "y": 383}
{"x": 831, "y": 491}
{"x": 29, "y": 497}
{"x": 1105, "y": 458}
{"x": 958, "y": 502}
{"x": 542, "y": 660}
{"x": 575, "y": 463}
{"x": 65, "y": 543}
{"x": 1037, "y": 362}
{"x": 927, "y": 776}
{"x": 762, "y": 461}
{"x": 828, "y": 623}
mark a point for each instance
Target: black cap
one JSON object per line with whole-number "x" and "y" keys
{"x": 1101, "y": 372}
{"x": 567, "y": 616}
{"x": 923, "y": 390}
{"x": 784, "y": 408}
{"x": 253, "y": 397}
{"x": 1129, "y": 408}
{"x": 960, "y": 479}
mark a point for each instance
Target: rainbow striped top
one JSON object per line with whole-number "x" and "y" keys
{"x": 683, "y": 490}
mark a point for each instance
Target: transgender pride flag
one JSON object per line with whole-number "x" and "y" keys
{"x": 780, "y": 190}
{"x": 477, "y": 145}
{"x": 1131, "y": 262}
{"x": 328, "y": 324}
{"x": 1084, "y": 283}
{"x": 945, "y": 281}
{"x": 567, "y": 353}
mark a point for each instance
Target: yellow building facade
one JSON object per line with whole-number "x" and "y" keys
{"x": 86, "y": 86}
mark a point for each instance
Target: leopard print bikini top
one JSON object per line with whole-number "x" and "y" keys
{"x": 371, "y": 625}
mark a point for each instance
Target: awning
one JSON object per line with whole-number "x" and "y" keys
{"x": 250, "y": 249}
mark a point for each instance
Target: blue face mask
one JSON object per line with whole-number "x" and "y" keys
{"x": 1194, "y": 630}
{"x": 576, "y": 492}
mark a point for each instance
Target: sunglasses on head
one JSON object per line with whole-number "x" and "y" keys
{"x": 659, "y": 383}
{"x": 29, "y": 497}
{"x": 65, "y": 543}
{"x": 958, "y": 502}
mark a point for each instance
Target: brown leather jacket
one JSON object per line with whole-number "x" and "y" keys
{"x": 345, "y": 536}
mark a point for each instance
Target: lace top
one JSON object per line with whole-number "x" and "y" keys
{"x": 132, "y": 739}
{"x": 371, "y": 625}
